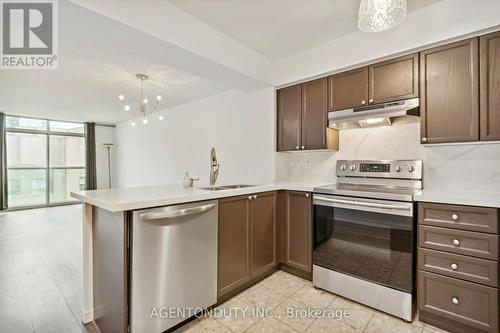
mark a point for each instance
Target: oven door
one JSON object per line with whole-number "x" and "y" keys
{"x": 365, "y": 238}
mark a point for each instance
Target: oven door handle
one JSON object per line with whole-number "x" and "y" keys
{"x": 365, "y": 204}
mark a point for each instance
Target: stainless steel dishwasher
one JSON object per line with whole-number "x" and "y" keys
{"x": 173, "y": 264}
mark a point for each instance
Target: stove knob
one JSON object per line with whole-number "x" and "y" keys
{"x": 343, "y": 167}
{"x": 352, "y": 167}
{"x": 411, "y": 168}
{"x": 399, "y": 168}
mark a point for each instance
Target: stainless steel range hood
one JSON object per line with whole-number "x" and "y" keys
{"x": 393, "y": 113}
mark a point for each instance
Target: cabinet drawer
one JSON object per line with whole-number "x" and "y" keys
{"x": 459, "y": 217}
{"x": 463, "y": 302}
{"x": 457, "y": 241}
{"x": 458, "y": 266}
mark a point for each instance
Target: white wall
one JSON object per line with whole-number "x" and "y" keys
{"x": 463, "y": 167}
{"x": 242, "y": 125}
{"x": 105, "y": 134}
{"x": 239, "y": 125}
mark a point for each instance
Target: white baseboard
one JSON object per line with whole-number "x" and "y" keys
{"x": 87, "y": 316}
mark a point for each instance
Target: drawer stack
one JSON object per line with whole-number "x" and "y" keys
{"x": 458, "y": 267}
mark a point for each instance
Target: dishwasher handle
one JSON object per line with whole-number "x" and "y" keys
{"x": 171, "y": 214}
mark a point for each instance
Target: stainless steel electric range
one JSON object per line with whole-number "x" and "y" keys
{"x": 364, "y": 234}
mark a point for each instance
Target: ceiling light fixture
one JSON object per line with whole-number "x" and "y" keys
{"x": 141, "y": 107}
{"x": 380, "y": 15}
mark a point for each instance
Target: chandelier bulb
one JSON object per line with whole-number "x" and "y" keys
{"x": 158, "y": 98}
{"x": 145, "y": 101}
{"x": 132, "y": 124}
{"x": 127, "y": 107}
{"x": 160, "y": 117}
{"x": 144, "y": 121}
{"x": 380, "y": 15}
{"x": 121, "y": 97}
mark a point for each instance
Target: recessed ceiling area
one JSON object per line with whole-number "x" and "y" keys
{"x": 279, "y": 28}
{"x": 98, "y": 62}
{"x": 191, "y": 49}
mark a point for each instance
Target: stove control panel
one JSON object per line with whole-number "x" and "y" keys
{"x": 375, "y": 167}
{"x": 403, "y": 169}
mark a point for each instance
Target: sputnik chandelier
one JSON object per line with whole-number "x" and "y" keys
{"x": 141, "y": 108}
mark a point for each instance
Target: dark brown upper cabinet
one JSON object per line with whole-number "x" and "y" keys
{"x": 314, "y": 114}
{"x": 348, "y": 90}
{"x": 302, "y": 118}
{"x": 394, "y": 79}
{"x": 297, "y": 229}
{"x": 289, "y": 122}
{"x": 386, "y": 81}
{"x": 449, "y": 95}
{"x": 490, "y": 86}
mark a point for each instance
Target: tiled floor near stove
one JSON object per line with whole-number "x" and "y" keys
{"x": 282, "y": 291}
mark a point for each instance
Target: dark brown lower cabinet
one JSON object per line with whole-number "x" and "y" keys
{"x": 263, "y": 233}
{"x": 463, "y": 307}
{"x": 247, "y": 241}
{"x": 296, "y": 233}
{"x": 458, "y": 269}
{"x": 233, "y": 244}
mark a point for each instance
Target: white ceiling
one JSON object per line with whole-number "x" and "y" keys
{"x": 98, "y": 61}
{"x": 278, "y": 28}
{"x": 104, "y": 43}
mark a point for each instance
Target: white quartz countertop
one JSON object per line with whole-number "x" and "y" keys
{"x": 116, "y": 200}
{"x": 460, "y": 197}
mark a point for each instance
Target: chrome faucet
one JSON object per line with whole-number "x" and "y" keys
{"x": 214, "y": 167}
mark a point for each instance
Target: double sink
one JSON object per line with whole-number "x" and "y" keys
{"x": 226, "y": 187}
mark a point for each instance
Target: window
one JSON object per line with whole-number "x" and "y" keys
{"x": 45, "y": 161}
{"x": 81, "y": 183}
{"x": 14, "y": 186}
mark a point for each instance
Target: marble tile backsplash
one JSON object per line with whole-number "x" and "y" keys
{"x": 465, "y": 167}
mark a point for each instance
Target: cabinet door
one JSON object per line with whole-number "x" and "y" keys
{"x": 394, "y": 79}
{"x": 297, "y": 231}
{"x": 233, "y": 244}
{"x": 289, "y": 118}
{"x": 348, "y": 90}
{"x": 263, "y": 233}
{"x": 314, "y": 114}
{"x": 449, "y": 101}
{"x": 490, "y": 86}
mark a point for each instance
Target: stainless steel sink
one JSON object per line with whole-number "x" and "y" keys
{"x": 237, "y": 186}
{"x": 226, "y": 187}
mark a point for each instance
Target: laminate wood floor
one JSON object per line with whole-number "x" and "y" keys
{"x": 41, "y": 270}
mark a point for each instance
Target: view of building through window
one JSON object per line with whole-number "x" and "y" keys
{"x": 45, "y": 161}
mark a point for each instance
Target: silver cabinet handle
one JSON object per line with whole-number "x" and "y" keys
{"x": 371, "y": 100}
{"x": 424, "y": 140}
{"x": 456, "y": 242}
{"x": 364, "y": 204}
{"x": 169, "y": 214}
{"x": 454, "y": 217}
{"x": 455, "y": 300}
{"x": 297, "y": 147}
{"x": 363, "y": 102}
{"x": 303, "y": 147}
{"x": 307, "y": 195}
{"x": 255, "y": 196}
{"x": 249, "y": 197}
{"x": 454, "y": 266}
